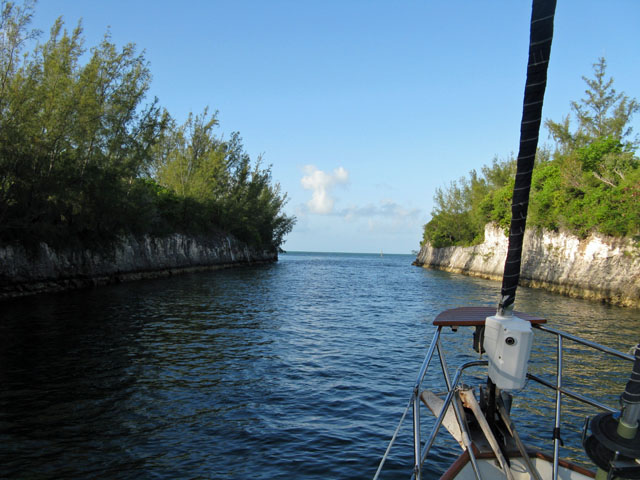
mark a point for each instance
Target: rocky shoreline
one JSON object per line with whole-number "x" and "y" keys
{"x": 599, "y": 268}
{"x": 25, "y": 272}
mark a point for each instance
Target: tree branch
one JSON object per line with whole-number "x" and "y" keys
{"x": 602, "y": 179}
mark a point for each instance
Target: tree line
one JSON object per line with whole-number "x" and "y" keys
{"x": 589, "y": 181}
{"x": 83, "y": 160}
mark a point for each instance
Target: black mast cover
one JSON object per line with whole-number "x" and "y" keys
{"x": 542, "y": 15}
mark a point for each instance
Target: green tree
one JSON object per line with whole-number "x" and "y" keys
{"x": 218, "y": 186}
{"x": 592, "y": 165}
{"x": 83, "y": 160}
{"x": 590, "y": 182}
{"x": 463, "y": 208}
{"x": 73, "y": 138}
{"x": 602, "y": 113}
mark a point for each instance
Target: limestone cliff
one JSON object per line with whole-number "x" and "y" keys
{"x": 598, "y": 267}
{"x": 45, "y": 270}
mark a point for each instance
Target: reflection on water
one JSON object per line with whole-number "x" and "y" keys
{"x": 295, "y": 370}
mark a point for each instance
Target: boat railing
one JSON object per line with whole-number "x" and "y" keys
{"x": 421, "y": 451}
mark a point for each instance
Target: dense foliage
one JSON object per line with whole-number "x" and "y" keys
{"x": 83, "y": 160}
{"x": 590, "y": 182}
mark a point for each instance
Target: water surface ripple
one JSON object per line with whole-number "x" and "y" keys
{"x": 299, "y": 369}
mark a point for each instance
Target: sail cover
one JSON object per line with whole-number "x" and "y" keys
{"x": 541, "y": 35}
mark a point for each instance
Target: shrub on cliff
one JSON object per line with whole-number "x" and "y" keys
{"x": 463, "y": 209}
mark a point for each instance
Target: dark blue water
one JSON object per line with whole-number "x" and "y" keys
{"x": 299, "y": 369}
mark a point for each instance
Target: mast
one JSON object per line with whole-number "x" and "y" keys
{"x": 541, "y": 35}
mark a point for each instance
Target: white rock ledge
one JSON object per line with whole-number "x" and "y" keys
{"x": 48, "y": 270}
{"x": 598, "y": 268}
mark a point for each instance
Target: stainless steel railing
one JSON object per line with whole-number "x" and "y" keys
{"x": 421, "y": 452}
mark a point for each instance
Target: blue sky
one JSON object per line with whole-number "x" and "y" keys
{"x": 363, "y": 108}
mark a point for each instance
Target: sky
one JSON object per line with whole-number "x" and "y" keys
{"x": 362, "y": 107}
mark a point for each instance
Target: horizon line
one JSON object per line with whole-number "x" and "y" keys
{"x": 346, "y": 253}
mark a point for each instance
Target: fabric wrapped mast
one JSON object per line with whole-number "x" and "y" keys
{"x": 541, "y": 35}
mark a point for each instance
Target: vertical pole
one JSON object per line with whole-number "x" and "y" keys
{"x": 417, "y": 457}
{"x": 416, "y": 405}
{"x": 443, "y": 364}
{"x": 427, "y": 359}
{"x": 556, "y": 429}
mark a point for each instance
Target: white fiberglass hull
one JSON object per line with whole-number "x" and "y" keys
{"x": 462, "y": 469}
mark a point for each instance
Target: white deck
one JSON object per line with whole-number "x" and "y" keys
{"x": 489, "y": 469}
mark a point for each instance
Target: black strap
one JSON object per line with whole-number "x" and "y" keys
{"x": 556, "y": 435}
{"x": 631, "y": 393}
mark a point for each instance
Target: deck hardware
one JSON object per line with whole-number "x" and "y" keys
{"x": 502, "y": 410}
{"x": 469, "y": 401}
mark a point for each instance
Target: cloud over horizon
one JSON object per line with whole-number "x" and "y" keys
{"x": 388, "y": 217}
{"x": 386, "y": 208}
{"x": 321, "y": 184}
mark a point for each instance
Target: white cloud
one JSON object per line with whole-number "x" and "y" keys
{"x": 386, "y": 218}
{"x": 321, "y": 184}
{"x": 386, "y": 209}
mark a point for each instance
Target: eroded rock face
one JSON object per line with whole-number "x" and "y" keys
{"x": 598, "y": 267}
{"x": 23, "y": 273}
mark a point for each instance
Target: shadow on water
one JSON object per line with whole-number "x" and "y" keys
{"x": 299, "y": 369}
{"x": 64, "y": 370}
{"x": 93, "y": 382}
